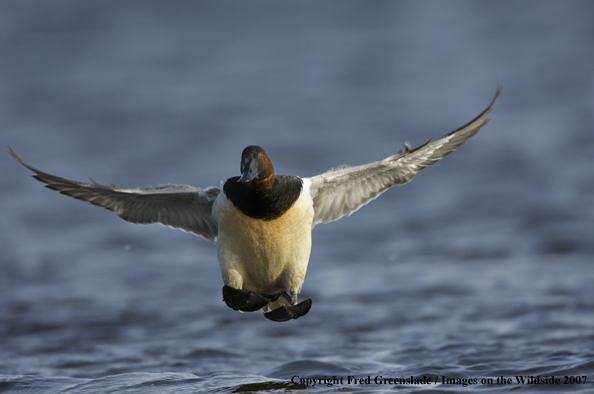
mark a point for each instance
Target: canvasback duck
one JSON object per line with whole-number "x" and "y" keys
{"x": 262, "y": 222}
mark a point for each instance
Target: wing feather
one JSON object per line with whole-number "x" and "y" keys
{"x": 344, "y": 190}
{"x": 185, "y": 207}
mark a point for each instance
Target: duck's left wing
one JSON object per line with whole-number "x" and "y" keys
{"x": 185, "y": 207}
{"x": 342, "y": 191}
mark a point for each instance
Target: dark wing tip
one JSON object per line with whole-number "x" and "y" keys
{"x": 489, "y": 108}
{"x": 11, "y": 152}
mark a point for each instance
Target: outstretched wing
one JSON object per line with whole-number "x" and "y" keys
{"x": 342, "y": 191}
{"x": 179, "y": 206}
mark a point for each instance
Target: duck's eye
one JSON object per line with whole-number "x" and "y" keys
{"x": 260, "y": 155}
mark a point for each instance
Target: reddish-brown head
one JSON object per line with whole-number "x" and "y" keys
{"x": 256, "y": 168}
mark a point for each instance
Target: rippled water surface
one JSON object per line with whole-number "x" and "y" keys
{"x": 481, "y": 268}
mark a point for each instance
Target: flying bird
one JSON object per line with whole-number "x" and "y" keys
{"x": 262, "y": 222}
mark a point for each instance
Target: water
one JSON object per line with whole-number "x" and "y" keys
{"x": 480, "y": 268}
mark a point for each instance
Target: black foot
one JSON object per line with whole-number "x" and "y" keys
{"x": 245, "y": 301}
{"x": 285, "y": 313}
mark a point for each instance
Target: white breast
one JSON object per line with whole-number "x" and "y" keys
{"x": 269, "y": 257}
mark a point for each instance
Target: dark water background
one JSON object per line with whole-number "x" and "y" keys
{"x": 481, "y": 267}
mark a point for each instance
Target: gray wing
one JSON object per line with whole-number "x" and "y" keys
{"x": 179, "y": 206}
{"x": 342, "y": 191}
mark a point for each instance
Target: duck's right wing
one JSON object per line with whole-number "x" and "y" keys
{"x": 185, "y": 207}
{"x": 342, "y": 191}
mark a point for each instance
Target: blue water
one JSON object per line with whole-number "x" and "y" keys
{"x": 480, "y": 268}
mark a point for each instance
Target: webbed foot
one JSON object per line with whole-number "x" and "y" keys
{"x": 245, "y": 301}
{"x": 285, "y": 313}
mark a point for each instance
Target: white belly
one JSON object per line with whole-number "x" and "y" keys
{"x": 269, "y": 257}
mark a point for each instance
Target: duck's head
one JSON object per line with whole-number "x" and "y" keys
{"x": 256, "y": 168}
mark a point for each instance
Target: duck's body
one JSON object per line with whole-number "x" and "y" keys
{"x": 262, "y": 222}
{"x": 267, "y": 256}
